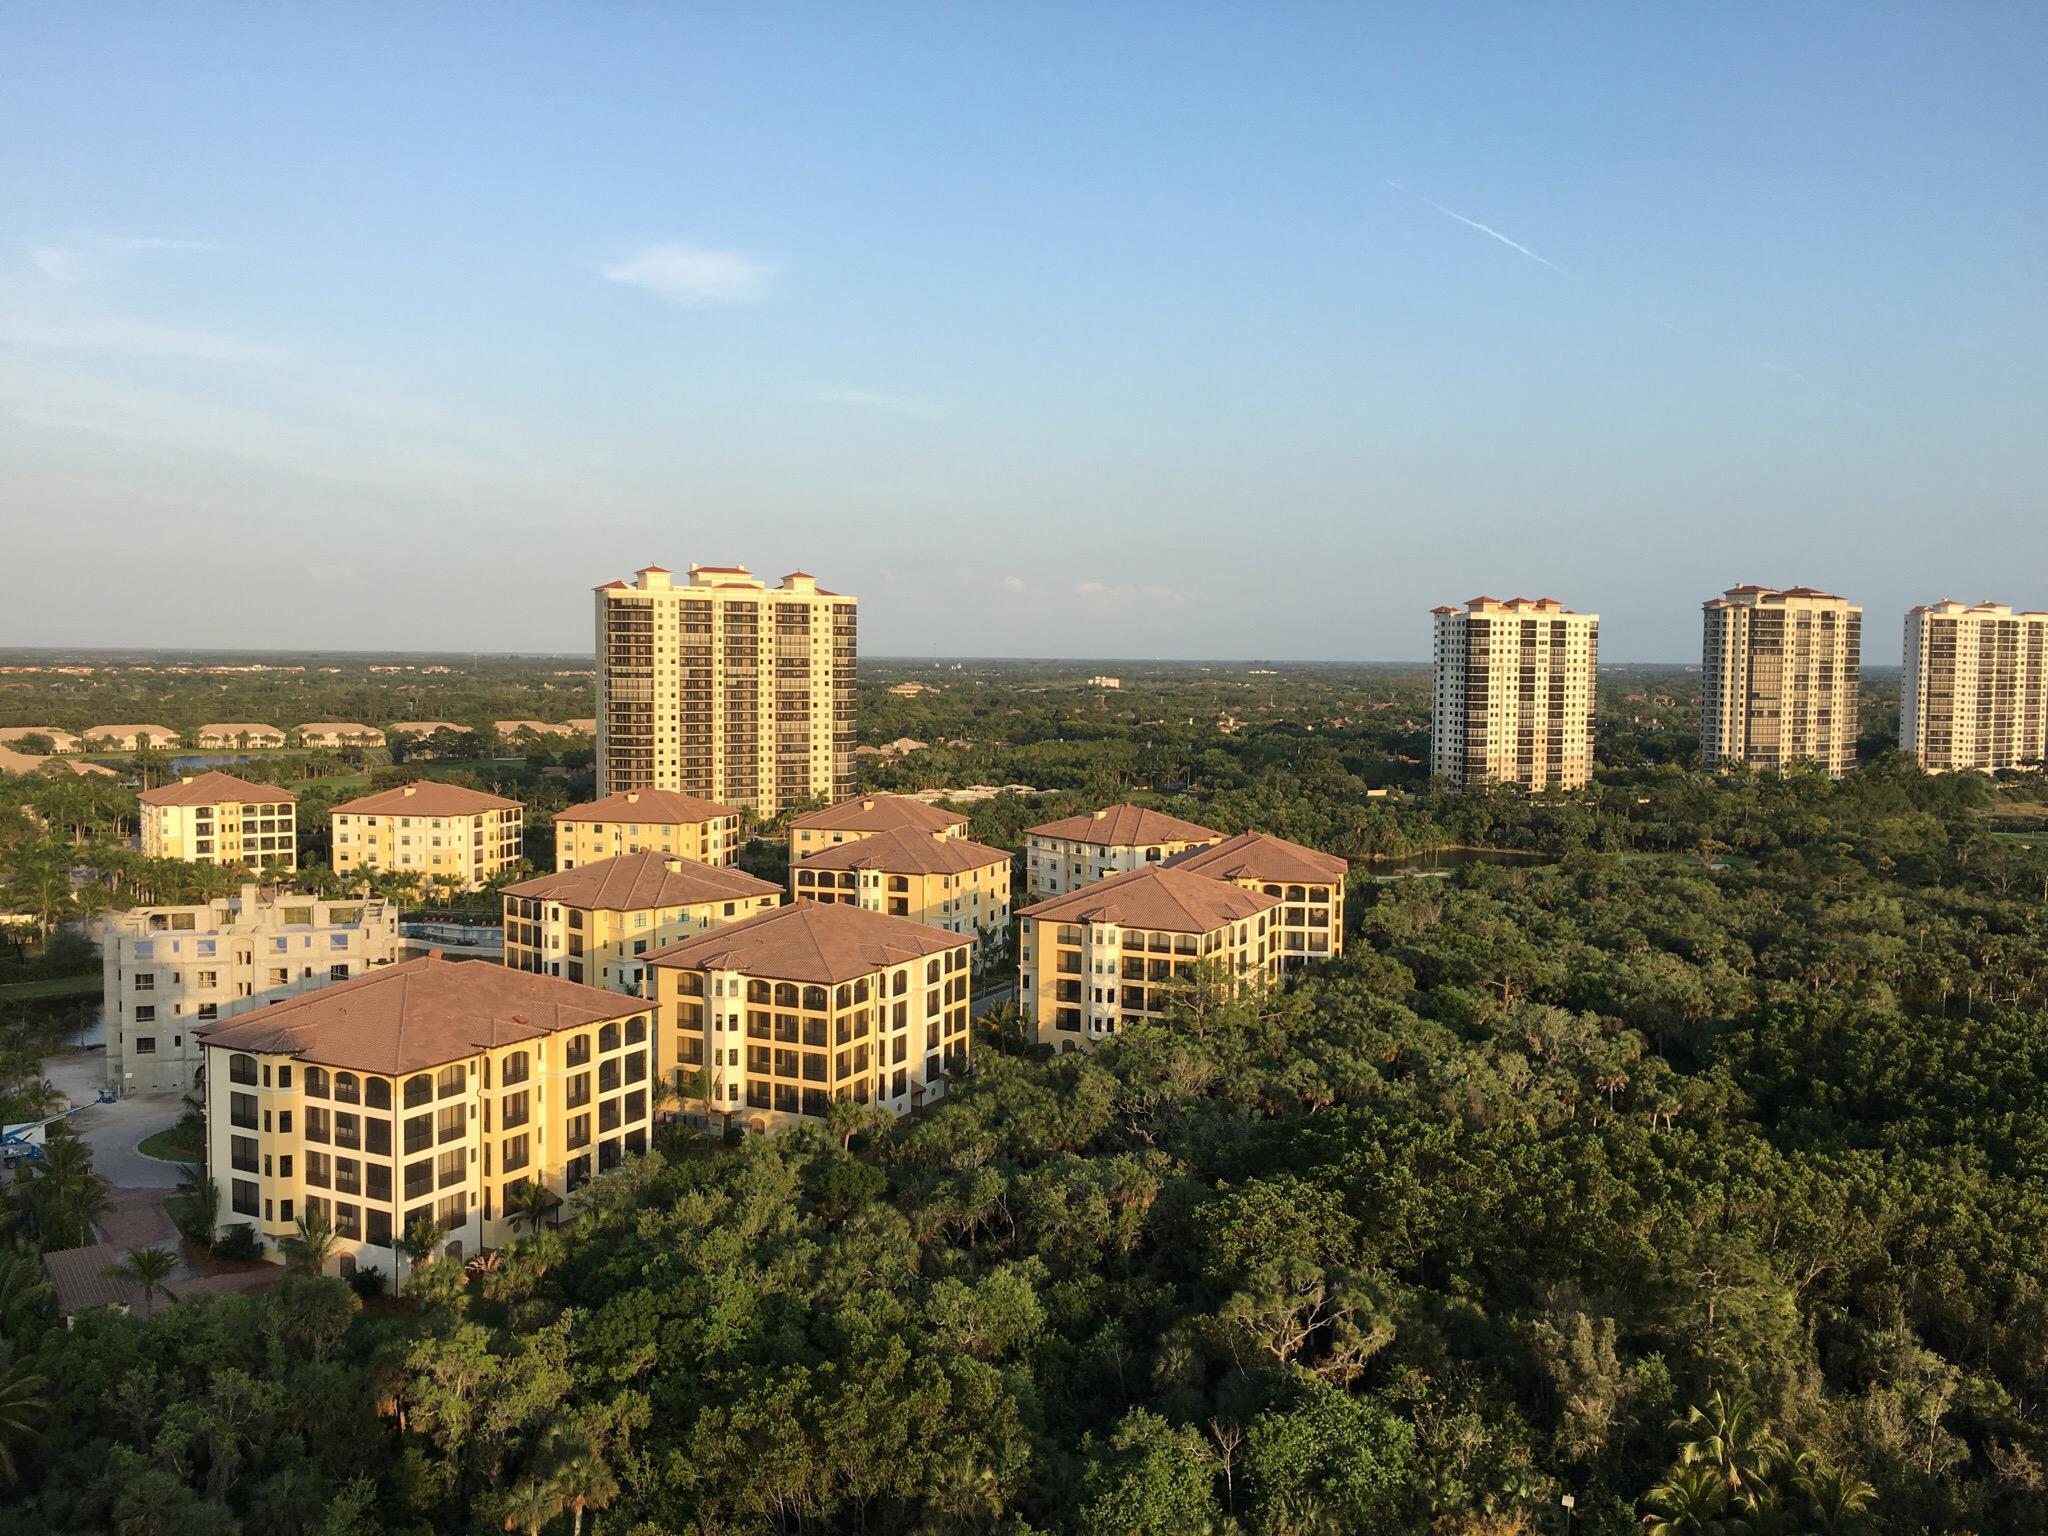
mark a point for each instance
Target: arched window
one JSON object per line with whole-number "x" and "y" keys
{"x": 377, "y": 1092}
{"x": 785, "y": 994}
{"x": 242, "y": 1069}
{"x": 608, "y": 1035}
{"x": 419, "y": 1090}
{"x": 902, "y": 982}
{"x": 816, "y": 998}
{"x": 316, "y": 1083}
{"x": 348, "y": 1088}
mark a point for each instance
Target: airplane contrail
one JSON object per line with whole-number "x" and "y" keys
{"x": 1488, "y": 230}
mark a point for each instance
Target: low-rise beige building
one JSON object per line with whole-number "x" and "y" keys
{"x": 948, "y": 882}
{"x": 129, "y": 738}
{"x": 216, "y": 818}
{"x": 1119, "y": 951}
{"x": 647, "y": 820}
{"x": 1309, "y": 926}
{"x": 864, "y": 816}
{"x": 329, "y": 734}
{"x": 766, "y": 1022}
{"x": 169, "y": 971}
{"x": 594, "y": 923}
{"x": 507, "y": 729}
{"x": 431, "y": 1091}
{"x": 1064, "y": 855}
{"x": 448, "y": 834}
{"x": 225, "y": 735}
{"x": 60, "y": 741}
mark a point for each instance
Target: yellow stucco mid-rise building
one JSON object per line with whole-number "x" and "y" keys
{"x": 644, "y": 821}
{"x": 1119, "y": 950}
{"x": 1309, "y": 924}
{"x": 429, "y": 1091}
{"x": 447, "y": 834}
{"x": 216, "y": 818}
{"x": 768, "y": 1021}
{"x": 863, "y": 816}
{"x": 1064, "y": 855}
{"x": 948, "y": 882}
{"x": 594, "y": 923}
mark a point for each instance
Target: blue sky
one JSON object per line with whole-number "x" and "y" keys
{"x": 1131, "y": 330}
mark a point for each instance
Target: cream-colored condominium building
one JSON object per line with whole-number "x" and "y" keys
{"x": 1118, "y": 951}
{"x": 130, "y": 738}
{"x": 432, "y": 1091}
{"x": 768, "y": 1021}
{"x": 1310, "y": 924}
{"x": 329, "y": 734}
{"x": 1513, "y": 702}
{"x": 1976, "y": 687}
{"x": 593, "y": 923}
{"x": 1782, "y": 671}
{"x": 947, "y": 882}
{"x": 225, "y": 735}
{"x": 851, "y": 820}
{"x": 447, "y": 834}
{"x": 647, "y": 820}
{"x": 216, "y": 818}
{"x": 169, "y": 971}
{"x": 1062, "y": 856}
{"x": 726, "y": 688}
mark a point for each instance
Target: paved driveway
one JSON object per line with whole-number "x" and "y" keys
{"x": 112, "y": 1130}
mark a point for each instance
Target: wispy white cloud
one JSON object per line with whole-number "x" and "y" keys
{"x": 1122, "y": 593}
{"x": 73, "y": 261}
{"x": 693, "y": 276}
{"x": 1492, "y": 233}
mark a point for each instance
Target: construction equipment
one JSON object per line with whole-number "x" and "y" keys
{"x": 23, "y": 1143}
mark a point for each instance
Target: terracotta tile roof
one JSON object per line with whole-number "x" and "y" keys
{"x": 1126, "y": 826}
{"x": 827, "y": 943}
{"x": 880, "y": 813}
{"x": 92, "y": 732}
{"x": 79, "y": 1278}
{"x": 419, "y": 1015}
{"x": 424, "y": 727}
{"x": 340, "y": 728}
{"x": 1171, "y": 900}
{"x": 237, "y": 727}
{"x": 62, "y": 740}
{"x": 427, "y": 797}
{"x": 612, "y": 586}
{"x": 215, "y": 789}
{"x": 902, "y": 851}
{"x": 12, "y": 761}
{"x": 1261, "y": 856}
{"x": 637, "y": 881}
{"x": 662, "y": 807}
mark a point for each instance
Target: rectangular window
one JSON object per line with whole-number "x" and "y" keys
{"x": 244, "y": 1198}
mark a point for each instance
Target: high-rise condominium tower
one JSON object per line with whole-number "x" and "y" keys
{"x": 1976, "y": 688}
{"x": 1782, "y": 670}
{"x": 725, "y": 688}
{"x": 1514, "y": 693}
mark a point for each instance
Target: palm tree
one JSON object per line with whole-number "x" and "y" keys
{"x": 314, "y": 1242}
{"x": 1835, "y": 1500}
{"x": 65, "y": 1195}
{"x": 1729, "y": 1434}
{"x": 22, "y": 1411}
{"x": 149, "y": 1268}
{"x": 529, "y": 1506}
{"x": 530, "y": 1204}
{"x": 199, "y": 1204}
{"x": 1692, "y": 1501}
{"x": 420, "y": 1240}
{"x": 584, "y": 1482}
{"x": 24, "y": 1287}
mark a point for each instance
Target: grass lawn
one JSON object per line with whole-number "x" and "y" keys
{"x": 55, "y": 986}
{"x": 166, "y": 1145}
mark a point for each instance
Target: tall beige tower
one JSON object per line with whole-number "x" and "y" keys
{"x": 1514, "y": 693}
{"x": 1975, "y": 693}
{"x": 723, "y": 687}
{"x": 1782, "y": 672}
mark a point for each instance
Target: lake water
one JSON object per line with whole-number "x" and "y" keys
{"x": 1443, "y": 860}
